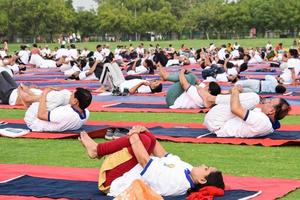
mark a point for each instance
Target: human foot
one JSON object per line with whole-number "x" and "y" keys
{"x": 89, "y": 144}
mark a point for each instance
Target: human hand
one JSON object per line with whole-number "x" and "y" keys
{"x": 236, "y": 89}
{"x": 137, "y": 129}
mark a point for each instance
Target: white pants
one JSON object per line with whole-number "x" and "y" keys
{"x": 221, "y": 113}
{"x": 112, "y": 75}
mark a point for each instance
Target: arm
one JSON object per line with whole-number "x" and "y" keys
{"x": 42, "y": 110}
{"x": 136, "y": 87}
{"x": 139, "y": 150}
{"x": 134, "y": 64}
{"x": 293, "y": 76}
{"x": 159, "y": 150}
{"x": 235, "y": 105}
{"x": 184, "y": 83}
{"x": 93, "y": 68}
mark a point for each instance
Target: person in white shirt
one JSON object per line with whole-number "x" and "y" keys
{"x": 146, "y": 67}
{"x": 112, "y": 77}
{"x": 46, "y": 52}
{"x": 39, "y": 62}
{"x": 291, "y": 72}
{"x": 62, "y": 52}
{"x": 269, "y": 85}
{"x": 72, "y": 52}
{"x": 12, "y": 94}
{"x": 10, "y": 66}
{"x": 165, "y": 173}
{"x": 239, "y": 119}
{"x": 23, "y": 55}
{"x": 84, "y": 52}
{"x": 61, "y": 118}
{"x": 97, "y": 54}
{"x": 184, "y": 92}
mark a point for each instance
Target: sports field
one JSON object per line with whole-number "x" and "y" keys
{"x": 281, "y": 162}
{"x": 240, "y": 160}
{"x": 287, "y": 43}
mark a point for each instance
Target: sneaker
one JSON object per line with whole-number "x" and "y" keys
{"x": 109, "y": 134}
{"x": 119, "y": 133}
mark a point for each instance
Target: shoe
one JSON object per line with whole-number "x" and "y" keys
{"x": 119, "y": 133}
{"x": 109, "y": 134}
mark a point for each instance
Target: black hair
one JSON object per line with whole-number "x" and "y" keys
{"x": 229, "y": 65}
{"x": 243, "y": 67}
{"x": 213, "y": 179}
{"x": 214, "y": 88}
{"x": 294, "y": 53}
{"x": 281, "y": 109}
{"x": 23, "y": 47}
{"x": 156, "y": 89}
{"x": 81, "y": 62}
{"x": 150, "y": 65}
{"x": 84, "y": 97}
{"x": 35, "y": 45}
{"x": 98, "y": 46}
{"x": 280, "y": 89}
{"x": 62, "y": 46}
{"x": 73, "y": 46}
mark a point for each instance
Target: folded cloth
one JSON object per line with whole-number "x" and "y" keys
{"x": 206, "y": 193}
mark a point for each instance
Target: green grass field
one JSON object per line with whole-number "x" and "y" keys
{"x": 287, "y": 42}
{"x": 240, "y": 160}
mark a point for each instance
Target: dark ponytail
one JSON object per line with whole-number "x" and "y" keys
{"x": 213, "y": 179}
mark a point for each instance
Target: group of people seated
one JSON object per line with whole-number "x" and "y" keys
{"x": 233, "y": 113}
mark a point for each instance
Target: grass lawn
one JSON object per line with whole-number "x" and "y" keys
{"x": 259, "y": 42}
{"x": 281, "y": 162}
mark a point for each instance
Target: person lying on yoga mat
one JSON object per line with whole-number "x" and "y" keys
{"x": 271, "y": 84}
{"x": 12, "y": 94}
{"x": 236, "y": 115}
{"x": 64, "y": 117}
{"x": 140, "y": 156}
{"x": 183, "y": 93}
{"x": 112, "y": 79}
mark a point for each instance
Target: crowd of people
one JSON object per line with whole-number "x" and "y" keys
{"x": 232, "y": 113}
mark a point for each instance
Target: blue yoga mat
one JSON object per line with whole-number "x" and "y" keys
{"x": 58, "y": 188}
{"x": 87, "y": 128}
{"x": 195, "y": 132}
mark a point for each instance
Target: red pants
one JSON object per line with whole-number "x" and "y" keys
{"x": 106, "y": 148}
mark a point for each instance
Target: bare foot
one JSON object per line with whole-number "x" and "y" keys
{"x": 162, "y": 73}
{"x": 100, "y": 90}
{"x": 89, "y": 144}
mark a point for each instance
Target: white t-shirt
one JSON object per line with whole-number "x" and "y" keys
{"x": 223, "y": 123}
{"x": 138, "y": 70}
{"x": 7, "y": 69}
{"x": 24, "y": 56}
{"x": 292, "y": 63}
{"x": 60, "y": 119}
{"x": 73, "y": 53}
{"x": 133, "y": 82}
{"x": 168, "y": 176}
{"x": 98, "y": 56}
{"x": 46, "y": 51}
{"x": 189, "y": 99}
{"x": 61, "y": 52}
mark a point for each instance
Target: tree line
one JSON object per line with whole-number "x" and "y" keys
{"x": 50, "y": 18}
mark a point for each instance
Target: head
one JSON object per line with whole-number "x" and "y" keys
{"x": 247, "y": 57}
{"x": 156, "y": 86}
{"x": 214, "y": 88}
{"x": 34, "y": 45}
{"x": 73, "y": 46}
{"x": 233, "y": 78}
{"x": 293, "y": 53}
{"x": 81, "y": 97}
{"x": 99, "y": 47}
{"x": 276, "y": 108}
{"x": 280, "y": 89}
{"x": 206, "y": 176}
